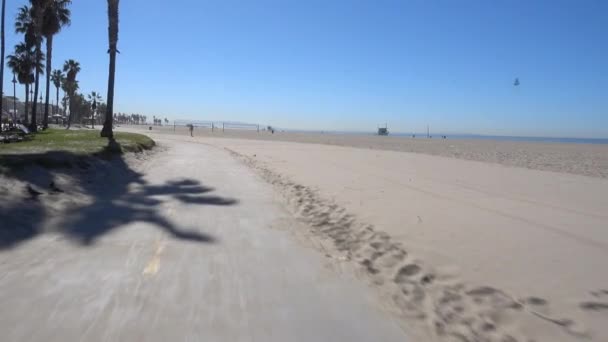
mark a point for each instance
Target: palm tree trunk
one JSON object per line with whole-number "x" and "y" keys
{"x": 27, "y": 98}
{"x": 33, "y": 126}
{"x": 57, "y": 102}
{"x": 107, "y": 124}
{"x": 49, "y": 53}
{"x": 113, "y": 40}
{"x": 2, "y": 59}
{"x": 70, "y": 115}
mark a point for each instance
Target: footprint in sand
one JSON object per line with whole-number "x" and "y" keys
{"x": 594, "y": 306}
{"x": 599, "y": 293}
{"x": 536, "y": 301}
{"x": 482, "y": 291}
{"x": 427, "y": 279}
{"x": 369, "y": 266}
{"x": 392, "y": 258}
{"x": 406, "y": 272}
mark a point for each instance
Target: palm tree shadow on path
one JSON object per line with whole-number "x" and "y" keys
{"x": 120, "y": 196}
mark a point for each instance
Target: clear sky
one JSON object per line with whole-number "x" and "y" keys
{"x": 350, "y": 65}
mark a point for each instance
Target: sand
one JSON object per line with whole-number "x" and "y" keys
{"x": 582, "y": 159}
{"x": 462, "y": 250}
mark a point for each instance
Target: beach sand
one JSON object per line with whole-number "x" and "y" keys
{"x": 581, "y": 159}
{"x": 460, "y": 249}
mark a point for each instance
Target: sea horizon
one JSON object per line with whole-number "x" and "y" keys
{"x": 421, "y": 135}
{"x": 463, "y": 136}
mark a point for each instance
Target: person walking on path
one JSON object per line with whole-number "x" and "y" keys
{"x": 191, "y": 130}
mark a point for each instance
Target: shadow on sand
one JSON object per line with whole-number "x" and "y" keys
{"x": 113, "y": 195}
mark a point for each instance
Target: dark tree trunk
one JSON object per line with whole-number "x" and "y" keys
{"x": 27, "y": 98}
{"x": 113, "y": 40}
{"x": 57, "y": 100}
{"x": 33, "y": 125}
{"x": 107, "y": 124}
{"x": 2, "y": 61}
{"x": 49, "y": 53}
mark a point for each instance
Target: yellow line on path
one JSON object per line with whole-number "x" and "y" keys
{"x": 154, "y": 264}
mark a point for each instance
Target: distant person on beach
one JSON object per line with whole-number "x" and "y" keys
{"x": 191, "y": 126}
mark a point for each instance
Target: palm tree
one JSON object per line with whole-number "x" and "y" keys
{"x": 71, "y": 68}
{"x": 56, "y": 16}
{"x": 113, "y": 41}
{"x": 64, "y": 100}
{"x": 2, "y": 59}
{"x": 57, "y": 79}
{"x": 28, "y": 22}
{"x": 95, "y": 99}
{"x": 38, "y": 9}
{"x": 25, "y": 24}
{"x": 22, "y": 63}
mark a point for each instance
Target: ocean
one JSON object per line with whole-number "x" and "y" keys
{"x": 478, "y": 136}
{"x": 514, "y": 138}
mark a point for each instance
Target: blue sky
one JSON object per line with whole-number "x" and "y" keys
{"x": 350, "y": 65}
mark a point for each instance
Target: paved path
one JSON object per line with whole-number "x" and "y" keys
{"x": 239, "y": 276}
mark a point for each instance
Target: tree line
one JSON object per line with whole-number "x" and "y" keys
{"x": 130, "y": 119}
{"x": 138, "y": 119}
{"x": 39, "y": 21}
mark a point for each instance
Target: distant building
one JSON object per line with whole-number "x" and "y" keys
{"x": 383, "y": 130}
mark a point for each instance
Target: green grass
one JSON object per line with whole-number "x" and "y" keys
{"x": 62, "y": 148}
{"x": 81, "y": 142}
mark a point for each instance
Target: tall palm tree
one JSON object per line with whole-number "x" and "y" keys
{"x": 57, "y": 79}
{"x": 94, "y": 97}
{"x": 38, "y": 9}
{"x": 113, "y": 41}
{"x": 23, "y": 62}
{"x": 95, "y": 100}
{"x": 29, "y": 19}
{"x": 56, "y": 16}
{"x": 24, "y": 23}
{"x": 2, "y": 59}
{"x": 71, "y": 68}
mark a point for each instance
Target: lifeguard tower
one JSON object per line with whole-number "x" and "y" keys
{"x": 383, "y": 130}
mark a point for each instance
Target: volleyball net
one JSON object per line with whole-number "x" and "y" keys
{"x": 217, "y": 125}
